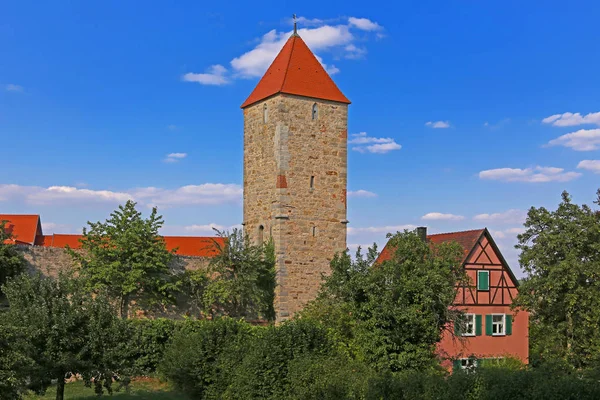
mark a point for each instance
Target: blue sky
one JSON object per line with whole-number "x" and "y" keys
{"x": 94, "y": 96}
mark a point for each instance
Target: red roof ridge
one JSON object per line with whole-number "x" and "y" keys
{"x": 456, "y": 232}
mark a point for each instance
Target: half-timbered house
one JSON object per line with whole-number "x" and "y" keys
{"x": 491, "y": 329}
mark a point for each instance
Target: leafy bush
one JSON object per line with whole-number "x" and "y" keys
{"x": 147, "y": 342}
{"x": 263, "y": 372}
{"x": 201, "y": 355}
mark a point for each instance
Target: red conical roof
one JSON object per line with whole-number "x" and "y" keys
{"x": 297, "y": 71}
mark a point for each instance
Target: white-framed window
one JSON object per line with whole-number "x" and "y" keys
{"x": 315, "y": 111}
{"x": 469, "y": 325}
{"x": 468, "y": 364}
{"x": 265, "y": 114}
{"x": 498, "y": 324}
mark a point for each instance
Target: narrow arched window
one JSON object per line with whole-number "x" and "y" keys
{"x": 315, "y": 111}
{"x": 265, "y": 114}
{"x": 314, "y": 231}
{"x": 261, "y": 234}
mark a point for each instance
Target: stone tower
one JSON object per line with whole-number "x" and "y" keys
{"x": 295, "y": 171}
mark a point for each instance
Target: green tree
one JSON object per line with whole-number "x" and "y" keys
{"x": 560, "y": 253}
{"x": 392, "y": 314}
{"x": 63, "y": 330}
{"x": 126, "y": 257}
{"x": 12, "y": 361}
{"x": 243, "y": 279}
{"x": 12, "y": 262}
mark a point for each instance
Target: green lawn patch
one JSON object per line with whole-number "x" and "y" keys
{"x": 141, "y": 388}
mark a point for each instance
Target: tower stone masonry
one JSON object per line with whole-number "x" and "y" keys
{"x": 295, "y": 172}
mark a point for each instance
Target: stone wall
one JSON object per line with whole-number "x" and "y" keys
{"x": 51, "y": 260}
{"x": 308, "y": 224}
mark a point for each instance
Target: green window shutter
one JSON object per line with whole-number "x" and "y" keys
{"x": 456, "y": 366}
{"x": 483, "y": 280}
{"x": 478, "y": 325}
{"x": 508, "y": 320}
{"x": 457, "y": 327}
{"x": 488, "y": 325}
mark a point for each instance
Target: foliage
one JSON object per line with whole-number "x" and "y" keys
{"x": 146, "y": 343}
{"x": 263, "y": 371}
{"x": 127, "y": 258}
{"x": 392, "y": 314}
{"x": 63, "y": 330}
{"x": 243, "y": 279}
{"x": 200, "y": 359}
{"x": 12, "y": 361}
{"x": 12, "y": 262}
{"x": 560, "y": 252}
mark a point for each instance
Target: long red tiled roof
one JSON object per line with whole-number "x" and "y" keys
{"x": 466, "y": 239}
{"x": 193, "y": 246}
{"x": 23, "y": 228}
{"x": 296, "y": 71}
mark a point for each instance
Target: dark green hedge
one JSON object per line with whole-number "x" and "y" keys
{"x": 228, "y": 359}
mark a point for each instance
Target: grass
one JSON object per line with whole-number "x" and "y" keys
{"x": 140, "y": 388}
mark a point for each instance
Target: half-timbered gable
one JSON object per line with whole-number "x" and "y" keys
{"x": 490, "y": 279}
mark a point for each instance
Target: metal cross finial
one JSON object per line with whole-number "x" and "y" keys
{"x": 295, "y": 24}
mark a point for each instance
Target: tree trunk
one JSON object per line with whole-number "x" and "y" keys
{"x": 124, "y": 307}
{"x": 60, "y": 387}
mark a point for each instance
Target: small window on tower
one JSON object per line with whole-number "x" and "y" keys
{"x": 314, "y": 231}
{"x": 265, "y": 114}
{"x": 261, "y": 233}
{"x": 312, "y": 182}
{"x": 315, "y": 111}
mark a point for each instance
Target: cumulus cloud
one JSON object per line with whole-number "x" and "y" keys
{"x": 582, "y": 140}
{"x": 204, "y": 194}
{"x": 380, "y": 229}
{"x": 320, "y": 35}
{"x": 361, "y": 193}
{"x": 52, "y": 227}
{"x": 532, "y": 175}
{"x": 11, "y": 87}
{"x": 506, "y": 217}
{"x": 364, "y": 24}
{"x": 215, "y": 75}
{"x": 365, "y": 143}
{"x": 590, "y": 165}
{"x": 573, "y": 119}
{"x": 510, "y": 233}
{"x": 438, "y": 124}
{"x": 436, "y": 216}
{"x": 174, "y": 157}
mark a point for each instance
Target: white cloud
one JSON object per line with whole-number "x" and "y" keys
{"x": 215, "y": 75}
{"x": 364, "y": 24}
{"x": 204, "y": 194}
{"x": 51, "y": 227}
{"x": 11, "y": 87}
{"x": 438, "y": 124}
{"x": 510, "y": 233}
{"x": 573, "y": 119}
{"x": 436, "y": 216}
{"x": 511, "y": 216}
{"x": 533, "y": 175}
{"x": 320, "y": 35}
{"x": 380, "y": 229}
{"x": 590, "y": 165}
{"x": 372, "y": 144}
{"x": 175, "y": 157}
{"x": 354, "y": 53}
{"x": 582, "y": 140}
{"x": 361, "y": 193}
